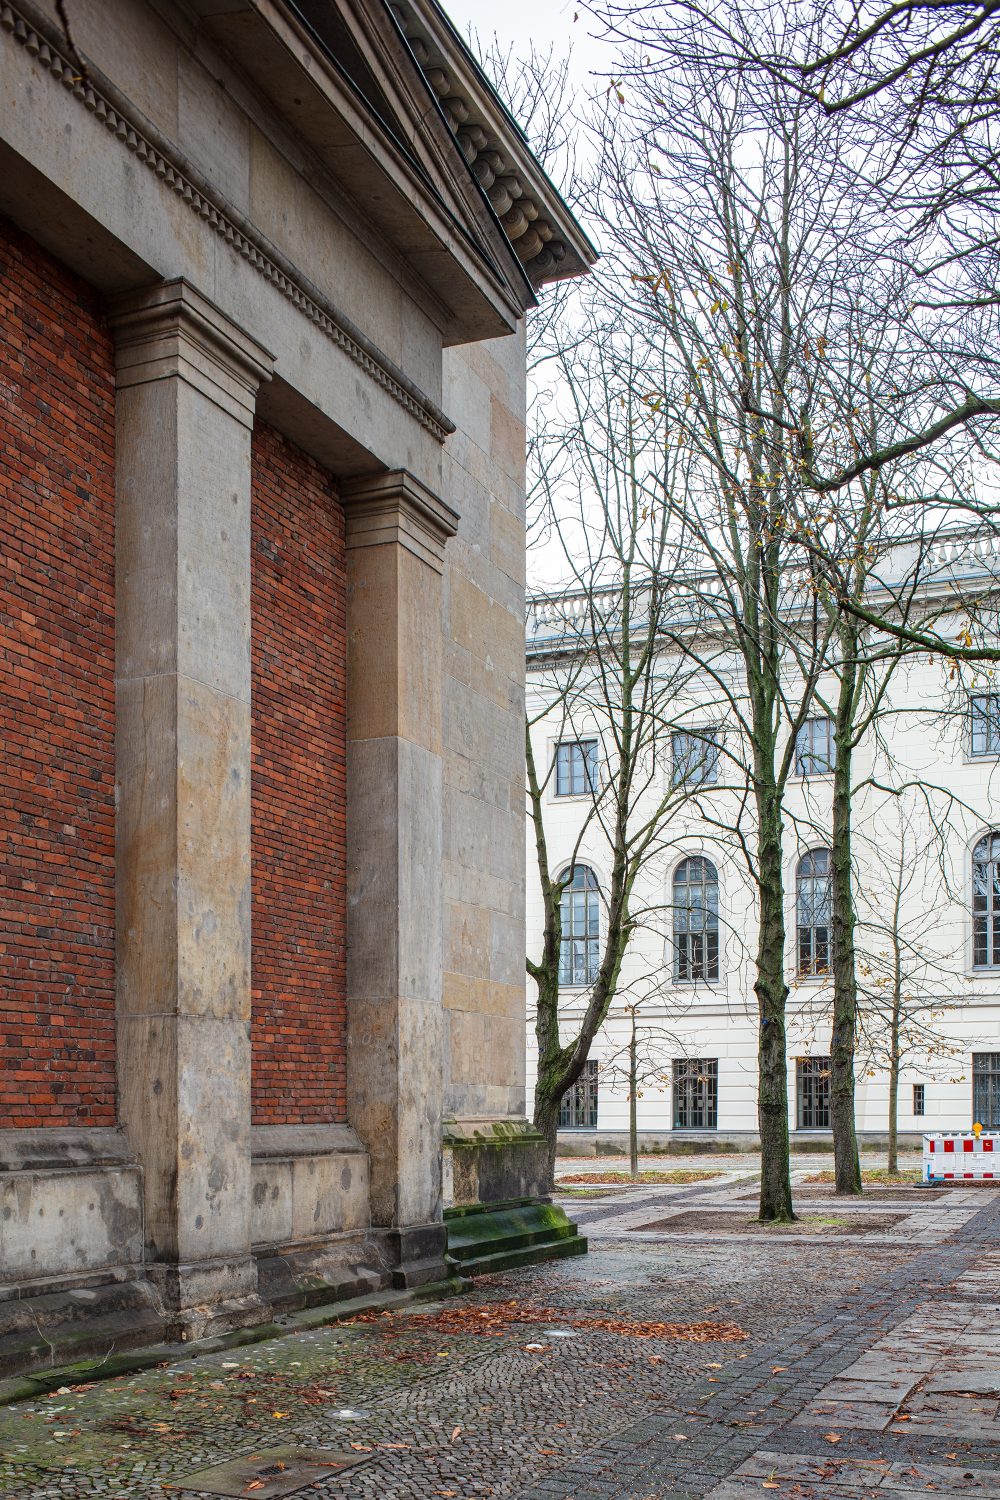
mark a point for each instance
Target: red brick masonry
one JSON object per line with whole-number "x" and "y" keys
{"x": 57, "y": 695}
{"x": 299, "y": 788}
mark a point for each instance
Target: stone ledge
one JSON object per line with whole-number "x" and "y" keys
{"x": 496, "y": 1133}
{"x": 63, "y": 1149}
{"x": 303, "y": 1140}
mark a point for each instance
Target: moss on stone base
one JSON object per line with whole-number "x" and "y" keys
{"x": 496, "y": 1236}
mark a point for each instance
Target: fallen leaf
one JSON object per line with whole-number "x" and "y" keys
{"x": 832, "y": 1437}
{"x": 454, "y": 1433}
{"x": 279, "y": 1414}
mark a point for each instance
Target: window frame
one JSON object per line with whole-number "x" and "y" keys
{"x": 590, "y": 939}
{"x": 590, "y": 773}
{"x": 708, "y": 738}
{"x": 698, "y": 1093}
{"x": 992, "y": 723}
{"x": 986, "y": 1090}
{"x": 582, "y": 1097}
{"x": 804, "y": 753}
{"x": 711, "y": 961}
{"x": 986, "y": 920}
{"x": 919, "y": 1098}
{"x": 816, "y": 1070}
{"x": 810, "y": 970}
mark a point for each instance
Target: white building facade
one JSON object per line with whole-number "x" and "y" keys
{"x": 927, "y": 856}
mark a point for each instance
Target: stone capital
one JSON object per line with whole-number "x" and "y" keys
{"x": 396, "y": 508}
{"x": 170, "y": 330}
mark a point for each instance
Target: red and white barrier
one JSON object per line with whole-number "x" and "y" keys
{"x": 962, "y": 1157}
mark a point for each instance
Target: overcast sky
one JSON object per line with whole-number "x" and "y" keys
{"x": 518, "y": 23}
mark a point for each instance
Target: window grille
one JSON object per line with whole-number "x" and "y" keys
{"x": 918, "y": 1099}
{"x": 984, "y": 725}
{"x": 986, "y": 1089}
{"x": 814, "y": 913}
{"x": 696, "y": 1093}
{"x": 580, "y": 953}
{"x": 696, "y": 919}
{"x": 986, "y": 903}
{"x": 695, "y": 758}
{"x": 812, "y": 1093}
{"x": 576, "y": 767}
{"x": 578, "y": 1110}
{"x": 815, "y": 751}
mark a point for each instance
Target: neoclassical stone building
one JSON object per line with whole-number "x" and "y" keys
{"x": 264, "y": 268}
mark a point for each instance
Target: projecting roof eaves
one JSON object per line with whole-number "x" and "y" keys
{"x": 546, "y": 237}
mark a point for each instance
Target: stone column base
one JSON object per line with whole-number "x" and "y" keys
{"x": 208, "y": 1296}
{"x": 418, "y": 1254}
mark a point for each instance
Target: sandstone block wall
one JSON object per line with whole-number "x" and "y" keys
{"x": 57, "y": 695}
{"x": 483, "y": 713}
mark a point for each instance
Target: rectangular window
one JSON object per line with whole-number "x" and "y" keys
{"x": 986, "y": 1089}
{"x": 696, "y": 1093}
{"x": 918, "y": 1099}
{"x": 812, "y": 1093}
{"x": 815, "y": 752}
{"x": 984, "y": 724}
{"x": 695, "y": 758}
{"x": 576, "y": 767}
{"x": 578, "y": 1110}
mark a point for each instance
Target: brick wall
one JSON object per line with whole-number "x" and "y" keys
{"x": 299, "y": 793}
{"x": 57, "y": 638}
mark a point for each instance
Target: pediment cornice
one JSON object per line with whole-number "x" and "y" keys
{"x": 546, "y": 237}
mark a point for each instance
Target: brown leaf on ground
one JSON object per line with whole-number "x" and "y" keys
{"x": 832, "y": 1437}
{"x": 497, "y": 1317}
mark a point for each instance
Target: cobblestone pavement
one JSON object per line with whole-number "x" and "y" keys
{"x": 871, "y": 1367}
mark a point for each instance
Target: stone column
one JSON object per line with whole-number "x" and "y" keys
{"x": 187, "y": 382}
{"x": 396, "y": 532}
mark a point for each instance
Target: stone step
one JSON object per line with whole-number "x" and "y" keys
{"x": 530, "y": 1255}
{"x": 493, "y": 1237}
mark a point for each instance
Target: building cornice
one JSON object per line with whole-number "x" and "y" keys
{"x": 42, "y": 42}
{"x": 396, "y": 508}
{"x": 546, "y": 237}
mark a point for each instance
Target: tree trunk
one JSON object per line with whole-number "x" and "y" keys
{"x": 546, "y": 1121}
{"x": 633, "y": 1124}
{"x": 772, "y": 993}
{"x": 846, "y": 1162}
{"x": 893, "y": 1163}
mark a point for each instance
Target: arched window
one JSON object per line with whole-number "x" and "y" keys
{"x": 986, "y": 902}
{"x": 814, "y": 907}
{"x": 579, "y": 957}
{"x": 696, "y": 919}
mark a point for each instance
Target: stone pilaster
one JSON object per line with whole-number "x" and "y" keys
{"x": 396, "y": 533}
{"x": 187, "y": 381}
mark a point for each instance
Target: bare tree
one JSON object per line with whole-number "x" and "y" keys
{"x": 907, "y": 967}
{"x": 596, "y": 674}
{"x": 908, "y": 95}
{"x": 640, "y": 1062}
